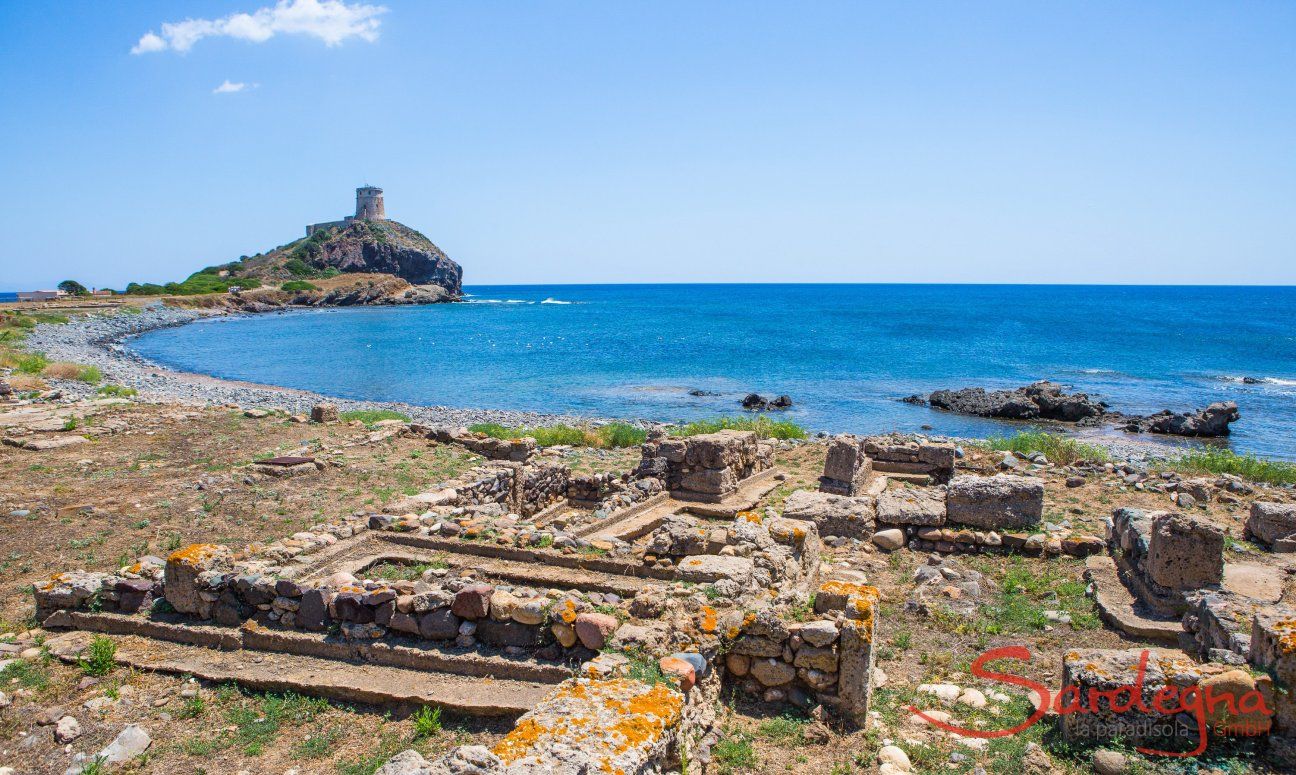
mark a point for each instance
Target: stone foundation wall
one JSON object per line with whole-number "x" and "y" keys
{"x": 706, "y": 467}
{"x": 542, "y": 486}
{"x": 906, "y": 455}
{"x": 826, "y": 662}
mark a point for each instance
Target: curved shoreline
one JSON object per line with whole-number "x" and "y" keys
{"x": 100, "y": 341}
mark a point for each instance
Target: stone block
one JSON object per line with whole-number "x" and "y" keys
{"x": 184, "y": 566}
{"x": 1272, "y": 522}
{"x": 847, "y": 468}
{"x": 835, "y": 515}
{"x": 1001, "y": 502}
{"x": 923, "y": 506}
{"x": 504, "y": 634}
{"x": 1185, "y": 552}
{"x": 324, "y": 413}
{"x": 710, "y": 481}
{"x": 709, "y": 568}
{"x": 594, "y": 629}
{"x": 440, "y": 624}
{"x": 473, "y": 601}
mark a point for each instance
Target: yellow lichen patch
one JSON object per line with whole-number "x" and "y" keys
{"x": 568, "y": 613}
{"x": 848, "y": 589}
{"x": 608, "y": 718}
{"x": 749, "y": 516}
{"x": 708, "y": 624}
{"x": 194, "y": 554}
{"x": 1286, "y": 632}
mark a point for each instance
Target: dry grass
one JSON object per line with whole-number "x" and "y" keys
{"x": 62, "y": 370}
{"x": 25, "y": 382}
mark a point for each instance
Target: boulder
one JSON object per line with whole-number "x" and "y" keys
{"x": 1002, "y": 502}
{"x": 473, "y": 601}
{"x": 890, "y": 539}
{"x": 772, "y": 672}
{"x": 709, "y": 568}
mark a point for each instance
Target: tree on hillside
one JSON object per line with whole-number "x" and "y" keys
{"x": 73, "y": 288}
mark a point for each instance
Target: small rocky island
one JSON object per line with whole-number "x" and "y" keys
{"x": 361, "y": 259}
{"x": 1046, "y": 400}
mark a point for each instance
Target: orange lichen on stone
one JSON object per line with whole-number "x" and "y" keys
{"x": 848, "y": 589}
{"x": 606, "y": 717}
{"x": 1286, "y": 632}
{"x": 749, "y": 516}
{"x": 708, "y": 619}
{"x": 568, "y": 614}
{"x": 194, "y": 554}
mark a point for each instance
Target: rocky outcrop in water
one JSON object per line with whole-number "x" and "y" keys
{"x": 757, "y": 403}
{"x": 1049, "y": 401}
{"x": 1212, "y": 421}
{"x": 1038, "y": 401}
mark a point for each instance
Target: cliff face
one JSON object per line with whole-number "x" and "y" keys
{"x": 372, "y": 247}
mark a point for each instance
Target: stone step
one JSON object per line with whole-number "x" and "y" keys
{"x": 1118, "y": 607}
{"x": 640, "y": 524}
{"x": 393, "y": 651}
{"x": 344, "y": 682}
{"x": 519, "y": 572}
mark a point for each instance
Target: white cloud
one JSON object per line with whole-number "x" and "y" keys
{"x": 230, "y": 87}
{"x": 332, "y": 21}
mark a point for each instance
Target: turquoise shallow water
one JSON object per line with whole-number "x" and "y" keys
{"x": 845, "y": 353}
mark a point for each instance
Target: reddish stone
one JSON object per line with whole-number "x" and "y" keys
{"x": 680, "y": 669}
{"x": 594, "y": 629}
{"x": 473, "y": 601}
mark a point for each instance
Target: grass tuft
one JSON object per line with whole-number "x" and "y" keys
{"x": 116, "y": 391}
{"x": 427, "y": 722}
{"x": 1058, "y": 449}
{"x": 604, "y": 436}
{"x": 371, "y": 416}
{"x": 764, "y": 427}
{"x": 1224, "y": 461}
{"x": 100, "y": 658}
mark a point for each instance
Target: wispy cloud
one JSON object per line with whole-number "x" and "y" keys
{"x": 230, "y": 87}
{"x": 332, "y": 21}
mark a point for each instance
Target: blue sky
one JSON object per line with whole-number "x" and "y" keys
{"x": 659, "y": 142}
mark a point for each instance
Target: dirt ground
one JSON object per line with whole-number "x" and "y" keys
{"x": 172, "y": 476}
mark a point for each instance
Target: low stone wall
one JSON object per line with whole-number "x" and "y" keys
{"x": 611, "y": 492}
{"x": 901, "y": 454}
{"x": 542, "y": 486}
{"x": 706, "y": 467}
{"x": 134, "y": 588}
{"x": 828, "y": 661}
{"x": 750, "y": 556}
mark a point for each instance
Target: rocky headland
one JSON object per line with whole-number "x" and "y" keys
{"x": 1046, "y": 400}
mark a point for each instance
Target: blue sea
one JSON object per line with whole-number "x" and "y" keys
{"x": 845, "y": 354}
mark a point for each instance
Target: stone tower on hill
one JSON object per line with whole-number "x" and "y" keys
{"x": 369, "y": 204}
{"x": 369, "y": 207}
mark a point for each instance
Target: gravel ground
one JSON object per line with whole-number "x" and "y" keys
{"x": 100, "y": 340}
